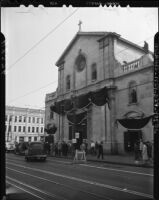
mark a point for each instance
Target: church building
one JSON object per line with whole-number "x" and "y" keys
{"x": 104, "y": 93}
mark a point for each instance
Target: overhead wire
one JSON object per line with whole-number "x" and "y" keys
{"x": 43, "y": 38}
{"x": 57, "y": 80}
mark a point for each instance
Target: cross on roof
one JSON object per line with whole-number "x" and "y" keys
{"x": 79, "y": 24}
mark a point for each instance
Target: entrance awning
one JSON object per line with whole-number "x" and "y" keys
{"x": 134, "y": 123}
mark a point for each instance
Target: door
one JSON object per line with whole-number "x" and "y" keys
{"x": 130, "y": 137}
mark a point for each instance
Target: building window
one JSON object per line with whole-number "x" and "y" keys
{"x": 68, "y": 82}
{"x": 29, "y": 129}
{"x": 29, "y": 139}
{"x": 23, "y": 128}
{"x": 20, "y": 118}
{"x": 33, "y": 120}
{"x": 51, "y": 114}
{"x": 19, "y": 129}
{"x": 132, "y": 92}
{"x": 37, "y": 129}
{"x": 80, "y": 62}
{"x": 42, "y": 120}
{"x": 94, "y": 72}
{"x": 37, "y": 120}
{"x": 15, "y": 119}
{"x": 32, "y": 129}
{"x": 15, "y": 128}
{"x": 9, "y": 127}
{"x": 29, "y": 119}
{"x": 24, "y": 120}
{"x": 21, "y": 139}
{"x": 41, "y": 129}
{"x": 35, "y": 138}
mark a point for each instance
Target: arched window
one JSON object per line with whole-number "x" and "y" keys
{"x": 132, "y": 92}
{"x": 68, "y": 82}
{"x": 94, "y": 71}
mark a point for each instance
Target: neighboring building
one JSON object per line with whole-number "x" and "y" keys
{"x": 24, "y": 124}
{"x": 105, "y": 92}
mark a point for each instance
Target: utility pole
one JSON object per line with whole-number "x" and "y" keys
{"x": 10, "y": 119}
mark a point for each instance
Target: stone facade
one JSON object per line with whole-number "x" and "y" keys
{"x": 117, "y": 63}
{"x": 25, "y": 124}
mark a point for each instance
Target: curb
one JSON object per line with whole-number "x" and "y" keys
{"x": 111, "y": 162}
{"x": 120, "y": 163}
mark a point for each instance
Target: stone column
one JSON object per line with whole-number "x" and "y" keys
{"x": 112, "y": 118}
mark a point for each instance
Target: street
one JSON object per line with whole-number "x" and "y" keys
{"x": 60, "y": 178}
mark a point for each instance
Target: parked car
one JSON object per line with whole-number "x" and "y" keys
{"x": 36, "y": 151}
{"x": 20, "y": 148}
{"x": 10, "y": 147}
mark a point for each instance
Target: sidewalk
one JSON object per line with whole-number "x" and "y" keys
{"x": 115, "y": 159}
{"x": 120, "y": 160}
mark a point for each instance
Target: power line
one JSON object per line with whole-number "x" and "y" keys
{"x": 57, "y": 80}
{"x": 33, "y": 91}
{"x": 43, "y": 38}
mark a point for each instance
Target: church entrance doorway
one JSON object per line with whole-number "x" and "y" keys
{"x": 130, "y": 137}
{"x": 79, "y": 128}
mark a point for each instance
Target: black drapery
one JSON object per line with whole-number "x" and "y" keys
{"x": 76, "y": 118}
{"x": 132, "y": 123}
{"x": 99, "y": 98}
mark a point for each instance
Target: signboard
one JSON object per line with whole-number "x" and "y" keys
{"x": 74, "y": 141}
{"x": 77, "y": 135}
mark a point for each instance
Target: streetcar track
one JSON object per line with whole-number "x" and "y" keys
{"x": 89, "y": 182}
{"x": 36, "y": 189}
{"x": 66, "y": 186}
{"x": 14, "y": 185}
{"x": 104, "y": 168}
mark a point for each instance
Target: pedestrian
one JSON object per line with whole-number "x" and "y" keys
{"x": 137, "y": 151}
{"x": 83, "y": 147}
{"x": 96, "y": 148}
{"x": 59, "y": 146}
{"x": 100, "y": 150}
{"x": 149, "y": 150}
{"x": 144, "y": 154}
{"x": 56, "y": 149}
{"x": 140, "y": 148}
{"x": 92, "y": 148}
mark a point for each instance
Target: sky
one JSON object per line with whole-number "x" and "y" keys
{"x": 36, "y": 38}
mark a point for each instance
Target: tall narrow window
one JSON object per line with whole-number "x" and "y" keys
{"x": 41, "y": 129}
{"x": 29, "y": 129}
{"x": 19, "y": 129}
{"x": 51, "y": 114}
{"x": 33, "y": 120}
{"x": 37, "y": 129}
{"x": 32, "y": 129}
{"x": 24, "y": 119}
{"x": 94, "y": 72}
{"x": 29, "y": 119}
{"x": 68, "y": 82}
{"x": 132, "y": 92}
{"x": 15, "y": 128}
{"x": 42, "y": 120}
{"x": 20, "y": 118}
{"x": 15, "y": 119}
{"x": 37, "y": 120}
{"x": 24, "y": 129}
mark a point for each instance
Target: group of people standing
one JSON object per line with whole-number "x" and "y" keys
{"x": 97, "y": 149}
{"x": 143, "y": 151}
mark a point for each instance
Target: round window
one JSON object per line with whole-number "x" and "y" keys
{"x": 80, "y": 62}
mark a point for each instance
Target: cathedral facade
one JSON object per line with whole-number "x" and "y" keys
{"x": 105, "y": 92}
